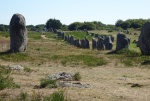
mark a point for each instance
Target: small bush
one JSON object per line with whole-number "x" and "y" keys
{"x": 77, "y": 76}
{"x": 26, "y": 69}
{"x": 56, "y": 96}
{"x": 23, "y": 96}
{"x": 48, "y": 83}
{"x": 5, "y": 80}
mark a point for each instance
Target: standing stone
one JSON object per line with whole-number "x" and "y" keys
{"x": 93, "y": 43}
{"x": 112, "y": 38}
{"x": 86, "y": 31}
{"x": 122, "y": 42}
{"x": 18, "y": 33}
{"x": 144, "y": 39}
{"x": 72, "y": 40}
{"x": 96, "y": 35}
{"x": 87, "y": 45}
{"x": 62, "y": 35}
{"x": 78, "y": 43}
{"x": 108, "y": 43}
{"x": 82, "y": 43}
{"x": 92, "y": 34}
{"x": 100, "y": 44}
{"x": 66, "y": 38}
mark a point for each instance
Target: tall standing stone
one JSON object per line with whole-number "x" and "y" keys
{"x": 18, "y": 33}
{"x": 122, "y": 42}
{"x": 108, "y": 43}
{"x": 93, "y": 43}
{"x": 100, "y": 44}
{"x": 144, "y": 39}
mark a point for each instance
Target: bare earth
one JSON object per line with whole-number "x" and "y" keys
{"x": 108, "y": 83}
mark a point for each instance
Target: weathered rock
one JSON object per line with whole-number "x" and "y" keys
{"x": 108, "y": 43}
{"x": 66, "y": 38}
{"x": 62, "y": 76}
{"x": 100, "y": 44}
{"x": 96, "y": 35}
{"x": 72, "y": 40}
{"x": 78, "y": 43}
{"x": 87, "y": 45}
{"x": 86, "y": 31}
{"x": 62, "y": 35}
{"x": 93, "y": 43}
{"x": 18, "y": 33}
{"x": 16, "y": 67}
{"x": 112, "y": 38}
{"x": 122, "y": 42}
{"x": 144, "y": 39}
{"x": 92, "y": 34}
{"x": 82, "y": 43}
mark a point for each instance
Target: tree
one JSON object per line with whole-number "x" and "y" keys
{"x": 75, "y": 25}
{"x": 88, "y": 26}
{"x": 4, "y": 27}
{"x": 53, "y": 23}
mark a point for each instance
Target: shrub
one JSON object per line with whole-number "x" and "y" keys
{"x": 48, "y": 83}
{"x": 5, "y": 80}
{"x": 77, "y": 76}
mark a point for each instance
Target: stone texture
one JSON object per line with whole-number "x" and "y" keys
{"x": 100, "y": 44}
{"x": 122, "y": 42}
{"x": 87, "y": 45}
{"x": 108, "y": 43}
{"x": 144, "y": 39}
{"x": 18, "y": 33}
{"x": 93, "y": 43}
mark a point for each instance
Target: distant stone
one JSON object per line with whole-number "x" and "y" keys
{"x": 108, "y": 43}
{"x": 87, "y": 45}
{"x": 72, "y": 40}
{"x": 78, "y": 43}
{"x": 16, "y": 67}
{"x": 100, "y": 44}
{"x": 122, "y": 42}
{"x": 144, "y": 39}
{"x": 96, "y": 35}
{"x": 93, "y": 43}
{"x": 82, "y": 43}
{"x": 18, "y": 33}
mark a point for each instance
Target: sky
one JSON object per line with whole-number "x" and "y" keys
{"x": 69, "y": 11}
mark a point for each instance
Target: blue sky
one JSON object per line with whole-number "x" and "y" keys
{"x": 68, "y": 11}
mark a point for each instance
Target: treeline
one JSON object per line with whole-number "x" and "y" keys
{"x": 131, "y": 23}
{"x": 94, "y": 25}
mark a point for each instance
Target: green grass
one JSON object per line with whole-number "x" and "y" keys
{"x": 48, "y": 83}
{"x": 4, "y": 34}
{"x": 5, "y": 80}
{"x": 88, "y": 60}
{"x": 15, "y": 57}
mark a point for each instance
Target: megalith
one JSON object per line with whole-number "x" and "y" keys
{"x": 122, "y": 42}
{"x": 18, "y": 33}
{"x": 144, "y": 39}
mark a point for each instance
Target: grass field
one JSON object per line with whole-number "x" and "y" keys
{"x": 112, "y": 76}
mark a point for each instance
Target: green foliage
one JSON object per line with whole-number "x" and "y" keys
{"x": 53, "y": 23}
{"x": 48, "y": 83}
{"x": 4, "y": 27}
{"x": 131, "y": 23}
{"x": 77, "y": 76}
{"x": 5, "y": 80}
{"x": 75, "y": 25}
{"x": 88, "y": 26}
{"x": 56, "y": 96}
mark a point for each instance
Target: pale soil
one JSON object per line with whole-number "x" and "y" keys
{"x": 108, "y": 83}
